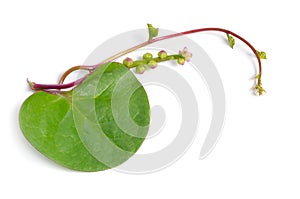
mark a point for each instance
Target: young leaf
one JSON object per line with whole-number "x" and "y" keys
{"x": 258, "y": 76}
{"x": 153, "y": 32}
{"x": 84, "y": 130}
{"x": 262, "y": 54}
{"x": 231, "y": 40}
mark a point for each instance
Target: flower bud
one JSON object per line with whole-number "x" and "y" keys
{"x": 152, "y": 64}
{"x": 140, "y": 69}
{"x": 180, "y": 61}
{"x": 186, "y": 54}
{"x": 128, "y": 62}
{"x": 147, "y": 56}
{"x": 162, "y": 54}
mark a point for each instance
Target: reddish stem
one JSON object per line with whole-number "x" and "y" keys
{"x": 214, "y": 29}
{"x": 74, "y": 68}
{"x": 35, "y": 86}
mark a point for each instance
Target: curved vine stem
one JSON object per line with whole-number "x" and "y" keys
{"x": 74, "y": 68}
{"x": 157, "y": 39}
{"x": 186, "y": 33}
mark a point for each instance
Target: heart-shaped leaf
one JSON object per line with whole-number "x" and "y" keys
{"x": 98, "y": 125}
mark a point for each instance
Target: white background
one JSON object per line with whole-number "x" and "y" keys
{"x": 258, "y": 155}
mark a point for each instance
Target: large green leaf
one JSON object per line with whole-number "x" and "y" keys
{"x": 97, "y": 126}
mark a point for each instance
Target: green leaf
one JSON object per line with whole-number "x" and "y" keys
{"x": 231, "y": 40}
{"x": 153, "y": 32}
{"x": 262, "y": 54}
{"x": 97, "y": 126}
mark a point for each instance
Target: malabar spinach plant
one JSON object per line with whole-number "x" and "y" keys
{"x": 100, "y": 120}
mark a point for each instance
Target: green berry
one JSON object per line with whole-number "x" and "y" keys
{"x": 180, "y": 61}
{"x": 147, "y": 56}
{"x": 140, "y": 69}
{"x": 128, "y": 62}
{"x": 162, "y": 54}
{"x": 152, "y": 64}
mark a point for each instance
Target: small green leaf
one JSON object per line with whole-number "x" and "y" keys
{"x": 262, "y": 54}
{"x": 257, "y": 76}
{"x": 231, "y": 40}
{"x": 153, "y": 32}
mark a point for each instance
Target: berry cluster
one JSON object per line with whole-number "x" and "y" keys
{"x": 148, "y": 61}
